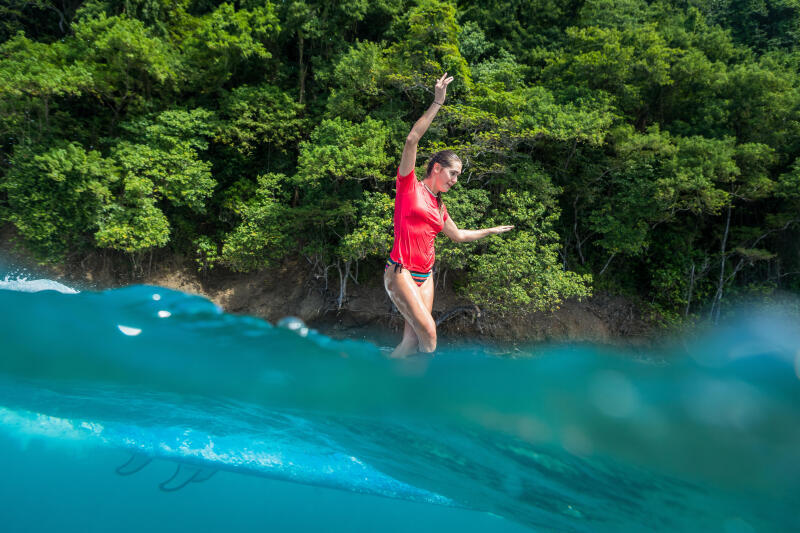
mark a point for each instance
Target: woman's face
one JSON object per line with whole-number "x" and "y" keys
{"x": 445, "y": 177}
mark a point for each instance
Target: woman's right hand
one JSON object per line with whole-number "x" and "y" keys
{"x": 440, "y": 91}
{"x": 409, "y": 158}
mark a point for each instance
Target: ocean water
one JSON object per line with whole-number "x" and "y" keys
{"x": 148, "y": 409}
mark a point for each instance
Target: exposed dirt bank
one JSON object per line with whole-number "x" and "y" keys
{"x": 293, "y": 289}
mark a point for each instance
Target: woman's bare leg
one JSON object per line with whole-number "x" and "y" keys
{"x": 415, "y": 304}
{"x": 410, "y": 342}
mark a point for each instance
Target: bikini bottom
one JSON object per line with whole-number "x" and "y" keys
{"x": 418, "y": 277}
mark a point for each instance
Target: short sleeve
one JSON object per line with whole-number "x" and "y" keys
{"x": 444, "y": 213}
{"x": 406, "y": 183}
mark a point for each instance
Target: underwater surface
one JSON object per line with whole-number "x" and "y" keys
{"x": 144, "y": 408}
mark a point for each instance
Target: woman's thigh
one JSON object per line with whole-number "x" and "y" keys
{"x": 413, "y": 302}
{"x": 426, "y": 290}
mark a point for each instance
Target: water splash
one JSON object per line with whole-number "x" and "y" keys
{"x": 23, "y": 284}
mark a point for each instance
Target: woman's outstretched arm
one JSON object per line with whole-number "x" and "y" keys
{"x": 467, "y": 235}
{"x": 409, "y": 159}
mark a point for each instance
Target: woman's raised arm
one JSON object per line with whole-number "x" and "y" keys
{"x": 409, "y": 159}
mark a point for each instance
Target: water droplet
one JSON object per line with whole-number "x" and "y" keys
{"x": 530, "y": 428}
{"x": 292, "y": 323}
{"x": 129, "y": 331}
{"x": 723, "y": 402}
{"x": 572, "y": 511}
{"x": 575, "y": 441}
{"x": 613, "y": 394}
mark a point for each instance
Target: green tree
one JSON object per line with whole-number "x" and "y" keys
{"x": 32, "y": 77}
{"x": 763, "y": 25}
{"x": 372, "y": 235}
{"x": 259, "y": 119}
{"x": 225, "y": 41}
{"x": 165, "y": 151}
{"x": 429, "y": 47}
{"x": 133, "y": 223}
{"x": 522, "y": 268}
{"x": 266, "y": 230}
{"x": 128, "y": 65}
{"x": 358, "y": 80}
{"x": 56, "y": 195}
{"x": 340, "y": 151}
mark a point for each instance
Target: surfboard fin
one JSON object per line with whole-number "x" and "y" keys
{"x": 184, "y": 475}
{"x": 134, "y": 464}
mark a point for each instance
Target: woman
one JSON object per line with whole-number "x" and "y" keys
{"x": 419, "y": 215}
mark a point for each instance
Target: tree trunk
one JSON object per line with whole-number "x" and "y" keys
{"x": 302, "y": 67}
{"x": 606, "y": 265}
{"x": 342, "y": 281}
{"x": 47, "y": 113}
{"x": 718, "y": 296}
{"x": 575, "y": 232}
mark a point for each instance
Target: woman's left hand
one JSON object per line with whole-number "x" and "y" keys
{"x": 500, "y": 229}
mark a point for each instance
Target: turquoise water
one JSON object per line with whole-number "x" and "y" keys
{"x": 148, "y": 409}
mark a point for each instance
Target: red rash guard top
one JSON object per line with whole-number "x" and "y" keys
{"x": 416, "y": 224}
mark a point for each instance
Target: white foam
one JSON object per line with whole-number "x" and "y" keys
{"x": 34, "y": 285}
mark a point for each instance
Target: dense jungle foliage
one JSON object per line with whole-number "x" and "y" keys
{"x": 646, "y": 148}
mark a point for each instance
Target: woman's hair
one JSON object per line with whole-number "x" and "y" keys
{"x": 446, "y": 158}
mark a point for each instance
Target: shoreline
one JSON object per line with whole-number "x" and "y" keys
{"x": 292, "y": 289}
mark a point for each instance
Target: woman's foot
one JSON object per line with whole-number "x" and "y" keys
{"x": 404, "y": 349}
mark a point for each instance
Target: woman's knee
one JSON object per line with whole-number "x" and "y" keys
{"x": 427, "y": 341}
